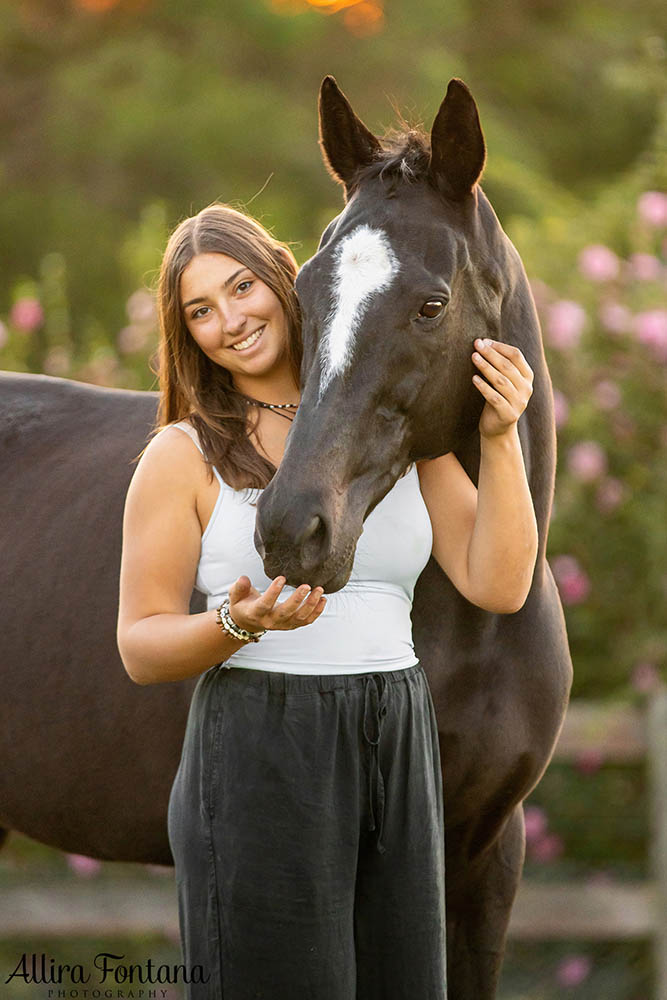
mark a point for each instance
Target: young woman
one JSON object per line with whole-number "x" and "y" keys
{"x": 306, "y": 817}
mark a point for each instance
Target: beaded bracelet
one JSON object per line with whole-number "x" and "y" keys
{"x": 228, "y": 625}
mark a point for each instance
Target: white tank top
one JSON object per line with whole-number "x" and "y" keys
{"x": 365, "y": 626}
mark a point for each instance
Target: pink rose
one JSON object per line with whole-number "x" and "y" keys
{"x": 561, "y": 408}
{"x": 575, "y": 589}
{"x": 542, "y": 294}
{"x": 572, "y": 582}
{"x": 57, "y": 361}
{"x": 83, "y": 866}
{"x": 536, "y": 823}
{"x": 645, "y": 267}
{"x": 599, "y": 263}
{"x": 652, "y": 208}
{"x": 651, "y": 329}
{"x": 645, "y": 677}
{"x": 565, "y": 324}
{"x": 547, "y": 848}
{"x": 132, "y": 339}
{"x": 615, "y": 317}
{"x": 99, "y": 371}
{"x": 26, "y": 315}
{"x": 141, "y": 308}
{"x": 586, "y": 461}
{"x": 607, "y": 394}
{"x": 610, "y": 493}
{"x": 574, "y": 970}
{"x": 589, "y": 761}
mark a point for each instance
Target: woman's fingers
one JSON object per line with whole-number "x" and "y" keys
{"x": 287, "y": 608}
{"x": 254, "y": 610}
{"x": 240, "y": 589}
{"x": 300, "y": 608}
{"x": 309, "y": 606}
{"x": 267, "y": 600}
{"x": 503, "y": 364}
{"x": 319, "y": 608}
{"x": 248, "y": 607}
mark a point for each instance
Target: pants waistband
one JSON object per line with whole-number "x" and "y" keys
{"x": 303, "y": 683}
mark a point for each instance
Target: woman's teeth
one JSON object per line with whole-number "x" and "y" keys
{"x": 249, "y": 340}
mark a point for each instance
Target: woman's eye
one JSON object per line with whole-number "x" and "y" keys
{"x": 247, "y": 282}
{"x": 197, "y": 313}
{"x": 432, "y": 308}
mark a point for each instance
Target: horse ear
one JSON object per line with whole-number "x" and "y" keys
{"x": 345, "y": 141}
{"x": 458, "y": 151}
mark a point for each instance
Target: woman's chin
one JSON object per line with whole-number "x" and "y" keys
{"x": 260, "y": 362}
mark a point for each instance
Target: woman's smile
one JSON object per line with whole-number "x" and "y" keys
{"x": 244, "y": 346}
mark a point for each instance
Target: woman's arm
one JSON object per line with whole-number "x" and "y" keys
{"x": 486, "y": 539}
{"x": 158, "y": 639}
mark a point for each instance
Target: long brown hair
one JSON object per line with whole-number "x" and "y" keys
{"x": 193, "y": 386}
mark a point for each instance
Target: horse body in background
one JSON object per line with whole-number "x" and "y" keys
{"x": 88, "y": 757}
{"x": 407, "y": 276}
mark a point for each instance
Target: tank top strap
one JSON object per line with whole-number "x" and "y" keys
{"x": 185, "y": 425}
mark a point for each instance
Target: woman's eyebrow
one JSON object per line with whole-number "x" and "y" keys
{"x": 227, "y": 283}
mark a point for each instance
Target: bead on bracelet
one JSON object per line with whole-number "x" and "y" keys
{"x": 228, "y": 625}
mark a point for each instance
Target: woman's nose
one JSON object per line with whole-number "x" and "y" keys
{"x": 233, "y": 322}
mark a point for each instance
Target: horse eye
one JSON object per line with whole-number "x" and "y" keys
{"x": 432, "y": 308}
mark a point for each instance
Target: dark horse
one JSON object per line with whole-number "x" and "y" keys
{"x": 384, "y": 385}
{"x": 88, "y": 757}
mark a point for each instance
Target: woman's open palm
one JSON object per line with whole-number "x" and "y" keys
{"x": 254, "y": 611}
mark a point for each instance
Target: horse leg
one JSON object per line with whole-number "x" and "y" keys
{"x": 480, "y": 894}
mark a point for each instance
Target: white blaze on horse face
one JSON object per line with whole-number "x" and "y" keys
{"x": 365, "y": 265}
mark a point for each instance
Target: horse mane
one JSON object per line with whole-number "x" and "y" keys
{"x": 405, "y": 156}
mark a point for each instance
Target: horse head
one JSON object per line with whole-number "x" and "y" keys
{"x": 414, "y": 268}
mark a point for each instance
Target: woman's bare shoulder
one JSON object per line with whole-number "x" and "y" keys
{"x": 171, "y": 458}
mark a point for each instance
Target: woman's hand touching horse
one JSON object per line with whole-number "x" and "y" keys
{"x": 254, "y": 611}
{"x": 511, "y": 387}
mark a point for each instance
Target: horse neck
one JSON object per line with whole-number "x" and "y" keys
{"x": 520, "y": 326}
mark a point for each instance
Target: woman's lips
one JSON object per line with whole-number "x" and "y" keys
{"x": 244, "y": 345}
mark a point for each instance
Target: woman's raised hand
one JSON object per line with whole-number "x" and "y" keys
{"x": 254, "y": 611}
{"x": 509, "y": 386}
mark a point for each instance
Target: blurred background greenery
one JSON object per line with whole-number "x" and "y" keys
{"x": 120, "y": 117}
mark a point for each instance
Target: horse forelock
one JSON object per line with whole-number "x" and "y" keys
{"x": 404, "y": 159}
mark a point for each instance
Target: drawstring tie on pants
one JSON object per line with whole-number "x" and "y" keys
{"x": 376, "y": 690}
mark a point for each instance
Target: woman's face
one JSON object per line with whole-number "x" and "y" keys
{"x": 236, "y": 319}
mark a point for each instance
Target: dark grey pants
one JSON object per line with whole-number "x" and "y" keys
{"x": 306, "y": 824}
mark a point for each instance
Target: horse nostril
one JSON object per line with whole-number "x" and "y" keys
{"x": 311, "y": 529}
{"x": 312, "y": 540}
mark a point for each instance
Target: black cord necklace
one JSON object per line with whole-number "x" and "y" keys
{"x": 282, "y": 409}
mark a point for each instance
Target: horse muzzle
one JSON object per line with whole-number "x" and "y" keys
{"x": 298, "y": 540}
